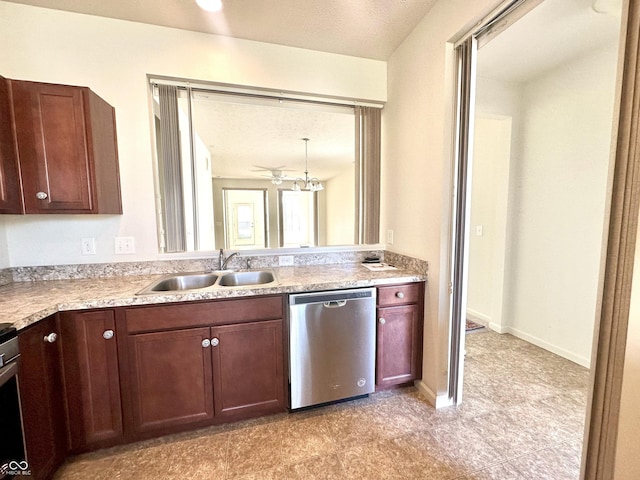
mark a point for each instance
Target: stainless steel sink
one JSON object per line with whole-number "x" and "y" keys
{"x": 189, "y": 281}
{"x": 209, "y": 281}
{"x": 242, "y": 279}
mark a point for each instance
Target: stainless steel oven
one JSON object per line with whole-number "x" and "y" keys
{"x": 13, "y": 459}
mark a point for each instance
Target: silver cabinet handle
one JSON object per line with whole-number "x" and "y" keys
{"x": 206, "y": 343}
{"x": 51, "y": 338}
{"x": 382, "y": 321}
{"x": 107, "y": 334}
{"x": 399, "y": 294}
{"x": 41, "y": 195}
{"x": 215, "y": 342}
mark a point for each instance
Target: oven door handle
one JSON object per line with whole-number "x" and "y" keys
{"x": 8, "y": 372}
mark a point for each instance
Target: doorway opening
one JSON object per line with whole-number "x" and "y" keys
{"x": 245, "y": 218}
{"x": 533, "y": 171}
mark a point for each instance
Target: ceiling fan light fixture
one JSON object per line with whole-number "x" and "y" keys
{"x": 210, "y": 5}
{"x": 276, "y": 180}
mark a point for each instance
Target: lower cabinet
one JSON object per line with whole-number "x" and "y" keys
{"x": 399, "y": 334}
{"x": 197, "y": 376}
{"x": 170, "y": 378}
{"x": 92, "y": 379}
{"x": 248, "y": 368}
{"x": 42, "y": 398}
{"x": 96, "y": 378}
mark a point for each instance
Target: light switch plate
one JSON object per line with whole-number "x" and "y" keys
{"x": 88, "y": 246}
{"x": 285, "y": 260}
{"x": 125, "y": 245}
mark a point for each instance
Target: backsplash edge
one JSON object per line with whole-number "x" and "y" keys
{"x": 120, "y": 269}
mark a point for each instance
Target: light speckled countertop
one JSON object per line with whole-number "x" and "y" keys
{"x": 24, "y": 303}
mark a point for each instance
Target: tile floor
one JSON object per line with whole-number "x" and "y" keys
{"x": 522, "y": 419}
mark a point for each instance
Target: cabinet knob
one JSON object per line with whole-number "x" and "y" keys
{"x": 51, "y": 338}
{"x": 382, "y": 321}
{"x": 41, "y": 195}
{"x": 215, "y": 342}
{"x": 206, "y": 343}
{"x": 400, "y": 294}
{"x": 107, "y": 334}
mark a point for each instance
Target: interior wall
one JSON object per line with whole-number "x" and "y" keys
{"x": 497, "y": 122}
{"x": 113, "y": 57}
{"x": 558, "y": 206}
{"x": 488, "y": 219}
{"x": 416, "y": 159}
{"x": 4, "y": 249}
{"x": 340, "y": 231}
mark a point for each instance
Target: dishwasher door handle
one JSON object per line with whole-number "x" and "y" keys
{"x": 335, "y": 303}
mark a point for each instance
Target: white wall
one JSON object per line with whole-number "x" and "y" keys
{"x": 416, "y": 148}
{"x": 557, "y": 216}
{"x": 340, "y": 205}
{"x": 4, "y": 249}
{"x": 113, "y": 58}
{"x": 489, "y": 201}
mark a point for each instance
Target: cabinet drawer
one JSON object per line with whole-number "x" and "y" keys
{"x": 399, "y": 294}
{"x": 217, "y": 312}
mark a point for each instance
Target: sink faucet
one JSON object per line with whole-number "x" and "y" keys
{"x": 222, "y": 262}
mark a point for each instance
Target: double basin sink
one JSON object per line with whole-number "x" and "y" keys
{"x": 210, "y": 280}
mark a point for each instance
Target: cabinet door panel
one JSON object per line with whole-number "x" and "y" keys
{"x": 10, "y": 192}
{"x": 51, "y": 134}
{"x": 248, "y": 368}
{"x": 398, "y": 345}
{"x": 92, "y": 379}
{"x": 170, "y": 378}
{"x": 42, "y": 400}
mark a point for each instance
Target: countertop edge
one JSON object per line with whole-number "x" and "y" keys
{"x": 284, "y": 286}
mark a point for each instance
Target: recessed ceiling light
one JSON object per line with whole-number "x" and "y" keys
{"x": 210, "y": 5}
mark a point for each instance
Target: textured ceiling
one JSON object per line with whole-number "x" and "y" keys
{"x": 551, "y": 34}
{"x": 362, "y": 28}
{"x": 250, "y": 139}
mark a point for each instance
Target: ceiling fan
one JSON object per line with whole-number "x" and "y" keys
{"x": 277, "y": 175}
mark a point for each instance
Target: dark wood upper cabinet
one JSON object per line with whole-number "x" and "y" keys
{"x": 67, "y": 149}
{"x": 92, "y": 379}
{"x": 42, "y": 398}
{"x": 10, "y": 192}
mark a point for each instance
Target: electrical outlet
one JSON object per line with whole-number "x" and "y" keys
{"x": 125, "y": 245}
{"x": 390, "y": 237}
{"x": 479, "y": 230}
{"x": 285, "y": 260}
{"x": 88, "y": 246}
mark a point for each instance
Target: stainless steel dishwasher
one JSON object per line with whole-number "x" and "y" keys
{"x": 332, "y": 339}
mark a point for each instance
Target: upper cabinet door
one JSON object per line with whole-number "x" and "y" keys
{"x": 67, "y": 149}
{"x": 10, "y": 194}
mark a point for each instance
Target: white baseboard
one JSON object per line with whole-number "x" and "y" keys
{"x": 478, "y": 317}
{"x": 485, "y": 321}
{"x": 496, "y": 327}
{"x": 580, "y": 360}
{"x": 437, "y": 401}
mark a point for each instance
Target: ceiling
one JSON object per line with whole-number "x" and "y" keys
{"x": 551, "y": 34}
{"x": 368, "y": 29}
{"x": 252, "y": 138}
